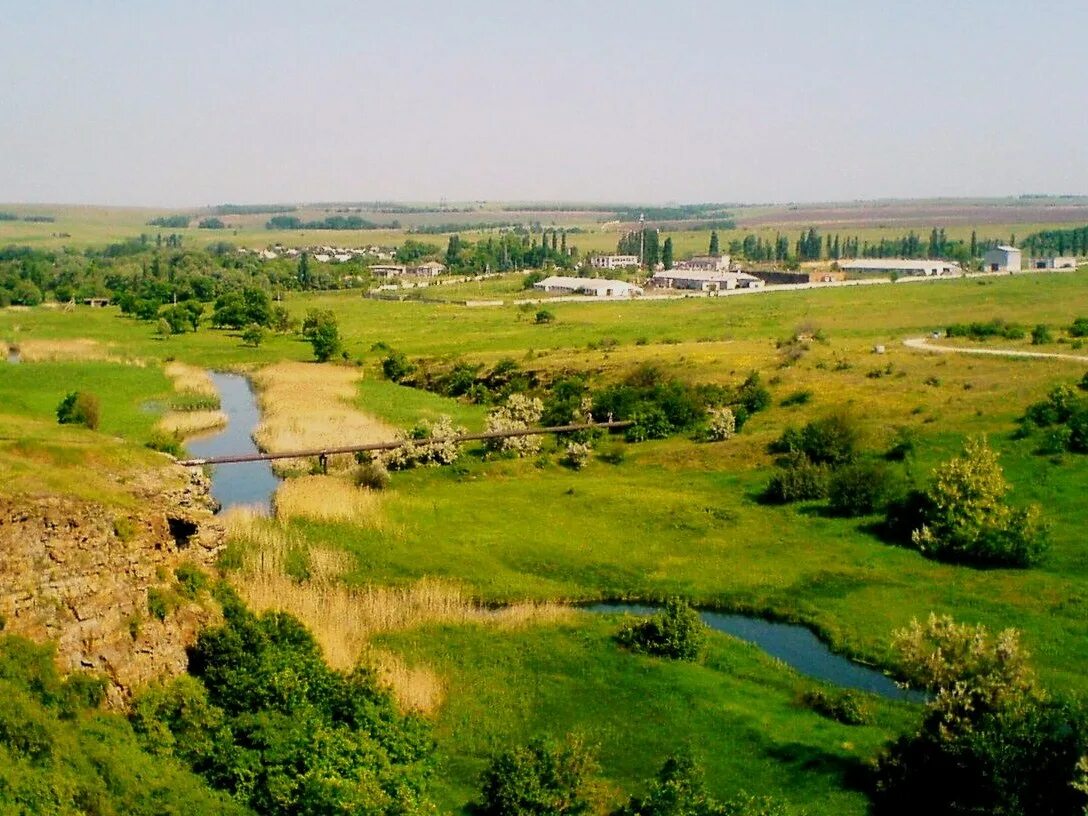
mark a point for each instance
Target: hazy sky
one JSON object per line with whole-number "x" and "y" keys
{"x": 184, "y": 103}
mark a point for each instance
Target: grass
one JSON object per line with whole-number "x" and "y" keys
{"x": 738, "y": 711}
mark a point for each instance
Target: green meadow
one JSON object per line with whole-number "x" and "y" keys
{"x": 672, "y": 517}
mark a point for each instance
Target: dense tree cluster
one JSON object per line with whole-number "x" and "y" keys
{"x": 331, "y": 222}
{"x": 1057, "y": 242}
{"x": 263, "y": 718}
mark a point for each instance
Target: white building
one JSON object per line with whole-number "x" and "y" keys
{"x": 1061, "y": 262}
{"x": 430, "y": 269}
{"x": 904, "y": 266}
{"x": 387, "y": 270}
{"x": 1002, "y": 259}
{"x": 706, "y": 263}
{"x": 594, "y": 287}
{"x": 703, "y": 281}
{"x": 614, "y": 261}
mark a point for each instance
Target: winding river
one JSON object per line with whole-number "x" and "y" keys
{"x": 250, "y": 484}
{"x": 253, "y": 484}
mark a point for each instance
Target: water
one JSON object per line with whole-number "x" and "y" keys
{"x": 248, "y": 483}
{"x": 795, "y": 646}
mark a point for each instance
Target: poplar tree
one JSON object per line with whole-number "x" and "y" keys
{"x": 714, "y": 242}
{"x": 666, "y": 253}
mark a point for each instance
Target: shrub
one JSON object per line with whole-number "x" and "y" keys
{"x": 160, "y": 602}
{"x": 651, "y": 423}
{"x": 831, "y": 440}
{"x": 1083, "y": 384}
{"x": 428, "y": 443}
{"x": 905, "y": 442}
{"x": 321, "y": 329}
{"x": 166, "y": 442}
{"x": 722, "y": 425}
{"x": 191, "y": 580}
{"x": 372, "y": 475}
{"x": 858, "y": 489}
{"x": 543, "y": 778}
{"x": 801, "y": 480}
{"x": 676, "y": 632}
{"x": 842, "y": 706}
{"x": 544, "y": 316}
{"x": 1079, "y": 327}
{"x": 1041, "y": 335}
{"x": 253, "y": 335}
{"x": 968, "y": 520}
{"x": 576, "y": 455}
{"x": 396, "y": 367}
{"x": 991, "y": 742}
{"x": 519, "y": 413}
{"x": 797, "y": 398}
{"x": 79, "y": 408}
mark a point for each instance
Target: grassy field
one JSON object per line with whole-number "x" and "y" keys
{"x": 673, "y": 517}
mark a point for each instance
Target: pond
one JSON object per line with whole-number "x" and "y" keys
{"x": 794, "y": 645}
{"x": 251, "y": 484}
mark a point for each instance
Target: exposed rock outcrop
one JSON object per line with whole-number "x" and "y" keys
{"x": 79, "y": 573}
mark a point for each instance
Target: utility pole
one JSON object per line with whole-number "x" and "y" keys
{"x": 642, "y": 239}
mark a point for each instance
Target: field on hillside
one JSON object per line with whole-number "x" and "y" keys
{"x": 641, "y": 521}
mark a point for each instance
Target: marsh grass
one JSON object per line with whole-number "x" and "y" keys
{"x": 55, "y": 350}
{"x": 277, "y": 571}
{"x": 306, "y": 406}
{"x": 329, "y": 498}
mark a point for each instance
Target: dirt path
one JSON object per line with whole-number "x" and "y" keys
{"x": 923, "y": 344}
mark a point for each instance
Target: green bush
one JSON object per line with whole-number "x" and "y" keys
{"x": 831, "y": 440}
{"x": 165, "y": 442}
{"x": 676, "y": 632}
{"x": 800, "y": 480}
{"x": 79, "y": 408}
{"x": 1079, "y": 327}
{"x": 543, "y": 778}
{"x": 1041, "y": 335}
{"x": 858, "y": 489}
{"x": 845, "y": 707}
{"x": 544, "y": 316}
{"x": 679, "y": 790}
{"x": 372, "y": 475}
{"x": 192, "y": 580}
{"x": 651, "y": 423}
{"x": 397, "y": 367}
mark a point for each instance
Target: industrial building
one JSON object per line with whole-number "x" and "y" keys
{"x": 903, "y": 266}
{"x": 614, "y": 261}
{"x": 1002, "y": 259}
{"x": 701, "y": 281}
{"x": 593, "y": 287}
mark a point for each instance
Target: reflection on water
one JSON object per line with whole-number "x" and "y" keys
{"x": 248, "y": 483}
{"x": 795, "y": 646}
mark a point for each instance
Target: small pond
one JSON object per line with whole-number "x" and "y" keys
{"x": 251, "y": 484}
{"x": 794, "y": 645}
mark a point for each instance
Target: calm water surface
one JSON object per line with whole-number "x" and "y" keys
{"x": 250, "y": 483}
{"x": 795, "y": 646}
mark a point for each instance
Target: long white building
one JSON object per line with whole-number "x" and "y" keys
{"x": 613, "y": 261}
{"x": 703, "y": 281}
{"x": 904, "y": 266}
{"x": 593, "y": 287}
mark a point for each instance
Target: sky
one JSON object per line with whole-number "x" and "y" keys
{"x": 163, "y": 103}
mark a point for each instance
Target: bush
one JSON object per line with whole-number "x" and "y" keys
{"x": 1079, "y": 327}
{"x": 543, "y": 778}
{"x": 544, "y": 316}
{"x": 1041, "y": 335}
{"x": 79, "y": 408}
{"x": 576, "y": 455}
{"x": 676, "y": 632}
{"x": 845, "y": 707}
{"x": 651, "y": 423}
{"x": 396, "y": 367}
{"x": 372, "y": 475}
{"x": 722, "y": 425}
{"x": 858, "y": 489}
{"x": 164, "y": 442}
{"x": 321, "y": 329}
{"x": 801, "y": 480}
{"x": 967, "y": 519}
{"x": 191, "y": 580}
{"x": 519, "y": 413}
{"x": 253, "y": 335}
{"x": 797, "y": 398}
{"x": 428, "y": 443}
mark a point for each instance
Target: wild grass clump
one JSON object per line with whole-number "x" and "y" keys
{"x": 372, "y": 476}
{"x": 184, "y": 424}
{"x": 328, "y": 498}
{"x": 79, "y": 408}
{"x": 845, "y": 707}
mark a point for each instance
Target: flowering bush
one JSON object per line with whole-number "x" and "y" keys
{"x": 519, "y": 413}
{"x": 426, "y": 444}
{"x": 722, "y": 425}
{"x": 576, "y": 455}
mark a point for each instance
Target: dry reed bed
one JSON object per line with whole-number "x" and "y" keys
{"x": 329, "y": 498}
{"x": 344, "y": 618}
{"x": 194, "y": 381}
{"x": 48, "y": 351}
{"x": 306, "y": 406}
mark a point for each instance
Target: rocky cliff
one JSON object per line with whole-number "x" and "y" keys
{"x": 80, "y": 573}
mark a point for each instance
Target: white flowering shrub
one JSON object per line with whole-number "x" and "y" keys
{"x": 576, "y": 455}
{"x": 428, "y": 443}
{"x": 519, "y": 413}
{"x": 722, "y": 425}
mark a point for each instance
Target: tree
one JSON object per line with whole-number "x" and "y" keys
{"x": 967, "y": 519}
{"x": 991, "y": 742}
{"x": 714, "y": 249}
{"x": 79, "y": 408}
{"x": 321, "y": 330}
{"x": 303, "y": 276}
{"x": 666, "y": 253}
{"x": 543, "y": 778}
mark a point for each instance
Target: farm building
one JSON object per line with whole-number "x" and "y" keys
{"x": 903, "y": 266}
{"x": 594, "y": 287}
{"x": 706, "y": 263}
{"x": 1062, "y": 262}
{"x": 387, "y": 270}
{"x": 703, "y": 281}
{"x": 1002, "y": 259}
{"x": 429, "y": 269}
{"x": 614, "y": 261}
